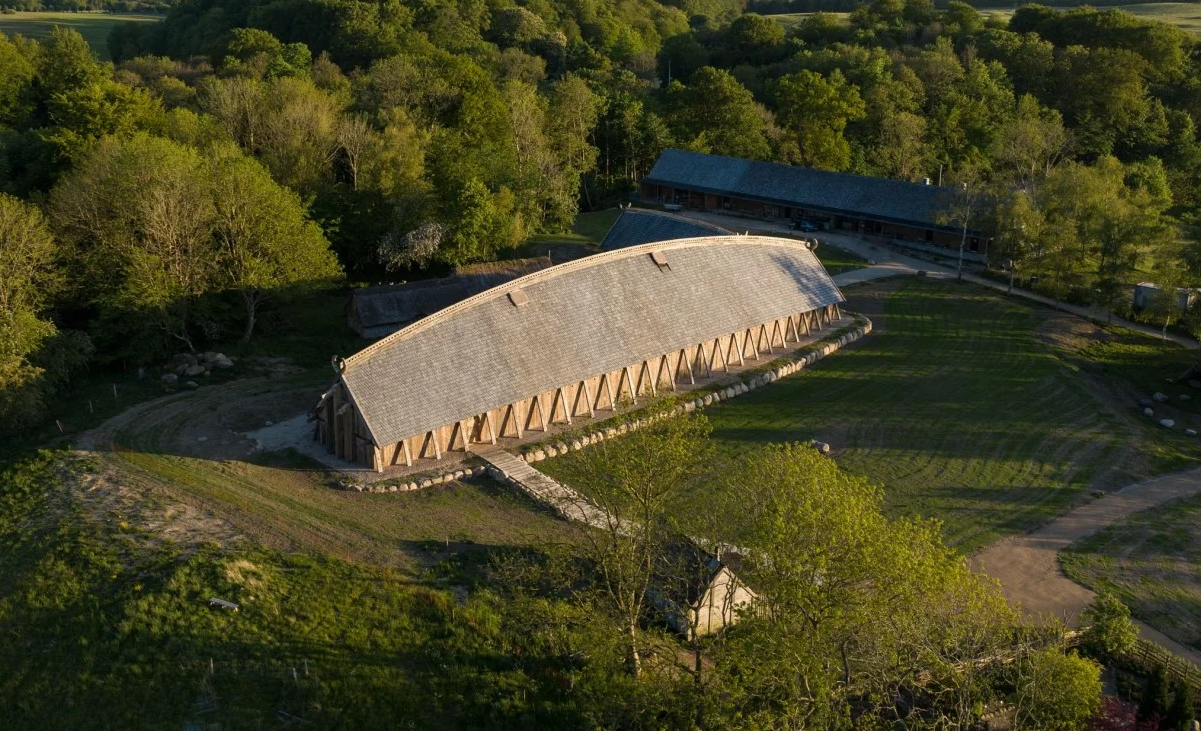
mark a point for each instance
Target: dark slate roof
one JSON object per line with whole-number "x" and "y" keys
{"x": 880, "y": 199}
{"x": 639, "y": 226}
{"x": 579, "y": 319}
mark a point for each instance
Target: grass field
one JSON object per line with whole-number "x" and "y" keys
{"x": 94, "y": 27}
{"x": 1186, "y": 16}
{"x": 103, "y": 626}
{"x": 838, "y": 261}
{"x": 588, "y": 231}
{"x": 1153, "y": 562}
{"x": 962, "y": 408}
{"x": 187, "y": 446}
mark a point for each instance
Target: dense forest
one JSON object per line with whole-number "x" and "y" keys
{"x": 161, "y": 201}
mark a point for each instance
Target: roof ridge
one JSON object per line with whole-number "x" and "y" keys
{"x": 554, "y": 271}
{"x": 675, "y": 217}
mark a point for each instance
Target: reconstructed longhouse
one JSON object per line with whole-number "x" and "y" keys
{"x": 572, "y": 340}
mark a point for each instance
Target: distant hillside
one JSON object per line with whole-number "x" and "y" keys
{"x": 93, "y": 26}
{"x": 842, "y": 6}
{"x": 110, "y": 6}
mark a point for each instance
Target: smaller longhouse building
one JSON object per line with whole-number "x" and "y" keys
{"x": 834, "y": 201}
{"x": 572, "y": 340}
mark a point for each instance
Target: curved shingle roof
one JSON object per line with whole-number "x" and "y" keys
{"x": 639, "y": 226}
{"x": 579, "y": 319}
{"x": 879, "y": 199}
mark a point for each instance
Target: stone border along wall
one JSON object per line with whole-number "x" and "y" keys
{"x": 537, "y": 453}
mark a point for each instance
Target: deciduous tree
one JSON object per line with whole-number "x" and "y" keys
{"x": 1108, "y": 629}
{"x": 638, "y": 482}
{"x": 1055, "y": 691}
{"x": 265, "y": 242}
{"x": 718, "y": 113}
{"x": 817, "y": 110}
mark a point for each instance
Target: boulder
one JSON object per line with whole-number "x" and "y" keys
{"x": 193, "y": 370}
{"x": 1145, "y": 402}
{"x": 181, "y": 369}
{"x": 223, "y": 362}
{"x": 1184, "y": 397}
{"x": 1148, "y": 412}
{"x": 170, "y": 379}
{"x": 1190, "y": 432}
{"x": 191, "y": 384}
{"x": 208, "y": 356}
{"x": 1167, "y": 423}
{"x": 184, "y": 359}
{"x": 1161, "y": 397}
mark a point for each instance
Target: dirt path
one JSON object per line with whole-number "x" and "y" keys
{"x": 1028, "y": 566}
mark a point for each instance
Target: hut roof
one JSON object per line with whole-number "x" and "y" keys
{"x": 576, "y": 320}
{"x": 379, "y": 311}
{"x": 880, "y": 199}
{"x": 639, "y": 226}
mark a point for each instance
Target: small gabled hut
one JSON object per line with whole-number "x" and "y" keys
{"x": 698, "y": 593}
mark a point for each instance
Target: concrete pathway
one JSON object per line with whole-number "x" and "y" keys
{"x": 1028, "y": 566}
{"x": 890, "y": 262}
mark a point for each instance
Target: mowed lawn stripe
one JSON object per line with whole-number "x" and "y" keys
{"x": 957, "y": 408}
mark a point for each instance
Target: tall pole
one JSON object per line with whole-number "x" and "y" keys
{"x": 967, "y": 212}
